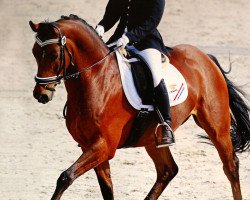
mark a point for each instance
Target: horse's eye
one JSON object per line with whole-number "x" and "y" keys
{"x": 53, "y": 56}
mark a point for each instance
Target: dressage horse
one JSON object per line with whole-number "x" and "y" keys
{"x": 99, "y": 116}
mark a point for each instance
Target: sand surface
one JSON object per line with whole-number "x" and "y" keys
{"x": 35, "y": 146}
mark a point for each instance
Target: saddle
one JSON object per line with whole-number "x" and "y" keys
{"x": 138, "y": 83}
{"x": 138, "y": 87}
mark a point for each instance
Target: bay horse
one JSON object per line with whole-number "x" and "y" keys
{"x": 99, "y": 116}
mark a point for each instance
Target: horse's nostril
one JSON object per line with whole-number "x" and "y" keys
{"x": 43, "y": 98}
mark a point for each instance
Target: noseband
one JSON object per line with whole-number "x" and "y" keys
{"x": 61, "y": 41}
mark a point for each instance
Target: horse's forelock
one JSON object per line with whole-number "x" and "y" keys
{"x": 45, "y": 31}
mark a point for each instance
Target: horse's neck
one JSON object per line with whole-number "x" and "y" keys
{"x": 92, "y": 90}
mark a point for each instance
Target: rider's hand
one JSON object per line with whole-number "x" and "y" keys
{"x": 123, "y": 41}
{"x": 100, "y": 30}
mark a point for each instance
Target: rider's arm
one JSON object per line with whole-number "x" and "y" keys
{"x": 112, "y": 14}
{"x": 151, "y": 23}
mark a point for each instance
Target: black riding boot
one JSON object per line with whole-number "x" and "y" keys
{"x": 162, "y": 102}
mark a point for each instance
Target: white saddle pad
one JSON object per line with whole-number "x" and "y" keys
{"x": 176, "y": 84}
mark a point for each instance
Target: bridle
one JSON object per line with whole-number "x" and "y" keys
{"x": 61, "y": 41}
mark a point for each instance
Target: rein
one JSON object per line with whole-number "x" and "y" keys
{"x": 62, "y": 43}
{"x": 75, "y": 75}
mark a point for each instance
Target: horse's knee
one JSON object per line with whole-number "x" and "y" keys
{"x": 64, "y": 180}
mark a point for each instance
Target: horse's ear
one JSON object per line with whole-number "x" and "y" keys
{"x": 33, "y": 26}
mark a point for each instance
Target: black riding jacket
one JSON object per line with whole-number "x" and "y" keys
{"x": 140, "y": 17}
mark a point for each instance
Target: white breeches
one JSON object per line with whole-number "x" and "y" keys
{"x": 153, "y": 59}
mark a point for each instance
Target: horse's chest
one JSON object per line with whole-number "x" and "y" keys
{"x": 72, "y": 124}
{"x": 80, "y": 127}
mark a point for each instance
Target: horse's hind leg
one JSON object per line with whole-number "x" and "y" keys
{"x": 104, "y": 179}
{"x": 217, "y": 126}
{"x": 166, "y": 169}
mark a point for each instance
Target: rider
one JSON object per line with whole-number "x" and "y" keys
{"x": 138, "y": 21}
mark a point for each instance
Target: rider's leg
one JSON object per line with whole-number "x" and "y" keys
{"x": 153, "y": 59}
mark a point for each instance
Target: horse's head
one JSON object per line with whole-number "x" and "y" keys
{"x": 53, "y": 58}
{"x": 54, "y": 53}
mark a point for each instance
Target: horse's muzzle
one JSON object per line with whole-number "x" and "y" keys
{"x": 43, "y": 96}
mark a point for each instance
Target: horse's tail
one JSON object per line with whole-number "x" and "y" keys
{"x": 240, "y": 121}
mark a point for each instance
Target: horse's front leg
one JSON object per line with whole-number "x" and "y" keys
{"x": 97, "y": 154}
{"x": 104, "y": 177}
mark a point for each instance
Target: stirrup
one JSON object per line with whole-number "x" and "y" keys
{"x": 156, "y": 137}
